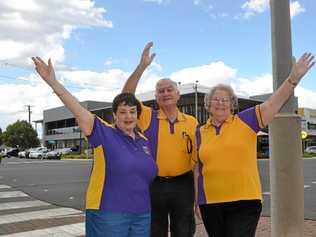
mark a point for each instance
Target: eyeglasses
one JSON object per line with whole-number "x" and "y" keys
{"x": 223, "y": 100}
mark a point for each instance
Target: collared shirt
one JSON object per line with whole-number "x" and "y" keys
{"x": 122, "y": 172}
{"x": 172, "y": 143}
{"x": 228, "y": 159}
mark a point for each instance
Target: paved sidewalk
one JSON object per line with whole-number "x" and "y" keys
{"x": 23, "y": 216}
{"x": 264, "y": 228}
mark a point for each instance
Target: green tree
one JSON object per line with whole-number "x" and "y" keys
{"x": 20, "y": 134}
{"x": 0, "y": 136}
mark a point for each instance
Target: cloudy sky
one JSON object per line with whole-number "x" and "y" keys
{"x": 95, "y": 45}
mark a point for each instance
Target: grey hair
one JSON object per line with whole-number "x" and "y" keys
{"x": 223, "y": 87}
{"x": 173, "y": 83}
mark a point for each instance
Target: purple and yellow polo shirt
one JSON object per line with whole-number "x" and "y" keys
{"x": 228, "y": 159}
{"x": 172, "y": 144}
{"x": 122, "y": 172}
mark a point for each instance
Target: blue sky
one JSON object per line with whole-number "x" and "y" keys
{"x": 95, "y": 45}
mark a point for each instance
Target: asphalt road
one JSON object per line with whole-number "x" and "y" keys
{"x": 64, "y": 182}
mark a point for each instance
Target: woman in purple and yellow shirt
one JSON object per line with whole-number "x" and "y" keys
{"x": 118, "y": 198}
{"x": 227, "y": 179}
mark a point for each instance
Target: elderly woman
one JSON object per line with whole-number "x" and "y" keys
{"x": 228, "y": 184}
{"x": 118, "y": 198}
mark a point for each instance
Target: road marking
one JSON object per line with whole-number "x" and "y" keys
{"x": 43, "y": 214}
{"x": 307, "y": 186}
{"x": 4, "y": 186}
{"x": 25, "y": 204}
{"x": 64, "y": 231}
{"x": 314, "y": 182}
{"x": 12, "y": 194}
{"x": 266, "y": 193}
{"x": 30, "y": 219}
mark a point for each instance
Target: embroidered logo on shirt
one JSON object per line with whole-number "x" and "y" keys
{"x": 146, "y": 150}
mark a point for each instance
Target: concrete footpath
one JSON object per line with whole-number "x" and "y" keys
{"x": 264, "y": 228}
{"x": 23, "y": 216}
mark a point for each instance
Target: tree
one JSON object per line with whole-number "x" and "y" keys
{"x": 20, "y": 134}
{"x": 0, "y": 136}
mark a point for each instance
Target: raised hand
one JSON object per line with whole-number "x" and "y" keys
{"x": 301, "y": 67}
{"x": 147, "y": 57}
{"x": 46, "y": 71}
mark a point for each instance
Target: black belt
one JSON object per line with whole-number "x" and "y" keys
{"x": 174, "y": 178}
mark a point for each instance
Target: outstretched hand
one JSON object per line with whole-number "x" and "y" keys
{"x": 301, "y": 67}
{"x": 147, "y": 57}
{"x": 46, "y": 71}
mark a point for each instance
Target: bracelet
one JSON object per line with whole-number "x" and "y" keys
{"x": 294, "y": 84}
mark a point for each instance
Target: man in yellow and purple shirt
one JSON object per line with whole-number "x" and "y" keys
{"x": 171, "y": 137}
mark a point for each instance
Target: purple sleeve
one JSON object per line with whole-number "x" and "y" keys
{"x": 98, "y": 134}
{"x": 249, "y": 116}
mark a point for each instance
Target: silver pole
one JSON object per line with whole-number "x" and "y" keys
{"x": 286, "y": 172}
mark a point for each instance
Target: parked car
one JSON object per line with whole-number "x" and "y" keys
{"x": 38, "y": 153}
{"x": 65, "y": 150}
{"x": 22, "y": 154}
{"x": 12, "y": 152}
{"x": 54, "y": 154}
{"x": 310, "y": 149}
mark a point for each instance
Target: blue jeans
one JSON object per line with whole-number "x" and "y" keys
{"x": 117, "y": 224}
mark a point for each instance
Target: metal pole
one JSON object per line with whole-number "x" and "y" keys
{"x": 196, "y": 99}
{"x": 286, "y": 172}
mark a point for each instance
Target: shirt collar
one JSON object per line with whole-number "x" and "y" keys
{"x": 228, "y": 120}
{"x": 180, "y": 116}
{"x": 137, "y": 133}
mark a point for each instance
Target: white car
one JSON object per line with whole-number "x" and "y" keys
{"x": 310, "y": 149}
{"x": 38, "y": 153}
{"x": 22, "y": 154}
{"x": 54, "y": 154}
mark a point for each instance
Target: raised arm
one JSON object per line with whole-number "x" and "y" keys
{"x": 84, "y": 117}
{"x": 145, "y": 61}
{"x": 273, "y": 105}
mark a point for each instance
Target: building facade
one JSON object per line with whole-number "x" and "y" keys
{"x": 60, "y": 128}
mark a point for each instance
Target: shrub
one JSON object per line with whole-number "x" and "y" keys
{"x": 76, "y": 156}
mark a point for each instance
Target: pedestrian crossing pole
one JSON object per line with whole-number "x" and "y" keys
{"x": 286, "y": 170}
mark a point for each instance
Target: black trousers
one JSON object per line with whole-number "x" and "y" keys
{"x": 172, "y": 199}
{"x": 231, "y": 219}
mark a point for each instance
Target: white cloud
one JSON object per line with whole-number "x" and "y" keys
{"x": 48, "y": 24}
{"x": 103, "y": 86}
{"x": 296, "y": 8}
{"x": 254, "y": 7}
{"x": 209, "y": 74}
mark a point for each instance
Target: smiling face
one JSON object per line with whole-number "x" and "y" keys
{"x": 220, "y": 105}
{"x": 125, "y": 117}
{"x": 167, "y": 93}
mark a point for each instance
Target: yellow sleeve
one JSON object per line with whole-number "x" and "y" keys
{"x": 144, "y": 118}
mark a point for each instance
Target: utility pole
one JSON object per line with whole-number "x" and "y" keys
{"x": 286, "y": 172}
{"x": 29, "y": 112}
{"x": 195, "y": 87}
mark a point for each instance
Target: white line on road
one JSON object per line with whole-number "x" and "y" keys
{"x": 60, "y": 231}
{"x": 25, "y": 204}
{"x": 12, "y": 194}
{"x": 43, "y": 214}
{"x": 4, "y": 186}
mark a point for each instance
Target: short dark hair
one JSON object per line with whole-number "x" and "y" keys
{"x": 126, "y": 99}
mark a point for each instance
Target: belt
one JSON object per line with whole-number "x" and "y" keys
{"x": 174, "y": 178}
